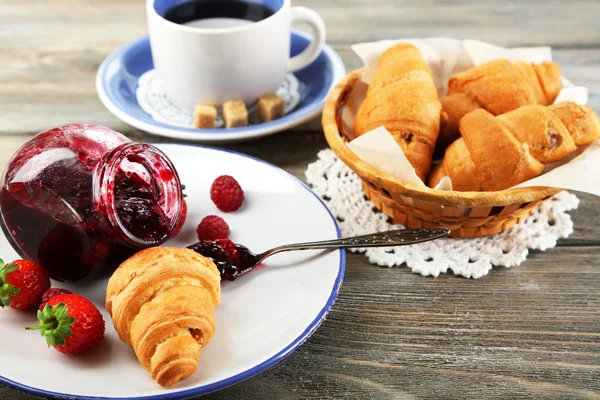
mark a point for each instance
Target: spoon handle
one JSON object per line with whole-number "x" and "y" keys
{"x": 397, "y": 237}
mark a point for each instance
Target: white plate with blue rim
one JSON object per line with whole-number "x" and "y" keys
{"x": 263, "y": 316}
{"x": 118, "y": 84}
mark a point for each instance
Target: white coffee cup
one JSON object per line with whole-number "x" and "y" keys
{"x": 206, "y": 65}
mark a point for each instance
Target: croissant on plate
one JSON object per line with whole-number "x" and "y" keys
{"x": 498, "y": 86}
{"x": 496, "y": 153}
{"x": 403, "y": 98}
{"x": 162, "y": 302}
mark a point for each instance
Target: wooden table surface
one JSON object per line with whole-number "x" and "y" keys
{"x": 532, "y": 331}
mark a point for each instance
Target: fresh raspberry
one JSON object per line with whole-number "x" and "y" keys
{"x": 226, "y": 193}
{"x": 50, "y": 293}
{"x": 212, "y": 227}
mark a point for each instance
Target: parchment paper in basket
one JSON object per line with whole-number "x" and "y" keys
{"x": 581, "y": 173}
{"x": 379, "y": 149}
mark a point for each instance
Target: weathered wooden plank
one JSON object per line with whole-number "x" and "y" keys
{"x": 528, "y": 22}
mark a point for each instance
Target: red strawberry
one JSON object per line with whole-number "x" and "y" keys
{"x": 50, "y": 293}
{"x": 70, "y": 323}
{"x": 22, "y": 284}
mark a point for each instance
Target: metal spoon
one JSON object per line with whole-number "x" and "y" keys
{"x": 239, "y": 261}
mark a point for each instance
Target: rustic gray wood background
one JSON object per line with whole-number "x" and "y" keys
{"x": 528, "y": 332}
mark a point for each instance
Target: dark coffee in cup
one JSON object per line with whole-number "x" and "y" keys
{"x": 218, "y": 14}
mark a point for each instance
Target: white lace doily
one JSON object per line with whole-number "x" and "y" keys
{"x": 341, "y": 189}
{"x": 152, "y": 99}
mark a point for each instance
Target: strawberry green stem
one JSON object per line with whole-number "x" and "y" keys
{"x": 51, "y": 325}
{"x": 54, "y": 324}
{"x": 6, "y": 289}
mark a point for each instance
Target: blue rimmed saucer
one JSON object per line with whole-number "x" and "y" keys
{"x": 118, "y": 76}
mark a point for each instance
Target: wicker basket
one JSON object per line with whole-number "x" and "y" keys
{"x": 467, "y": 214}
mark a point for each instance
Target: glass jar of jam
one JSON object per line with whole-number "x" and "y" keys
{"x": 83, "y": 198}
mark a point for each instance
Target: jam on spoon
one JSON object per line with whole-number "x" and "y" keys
{"x": 235, "y": 260}
{"x": 232, "y": 260}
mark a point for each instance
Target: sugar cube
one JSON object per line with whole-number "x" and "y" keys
{"x": 235, "y": 114}
{"x": 205, "y": 116}
{"x": 270, "y": 107}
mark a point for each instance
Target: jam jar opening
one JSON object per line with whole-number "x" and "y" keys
{"x": 138, "y": 194}
{"x": 79, "y": 199}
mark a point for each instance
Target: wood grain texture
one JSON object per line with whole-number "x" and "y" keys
{"x": 528, "y": 332}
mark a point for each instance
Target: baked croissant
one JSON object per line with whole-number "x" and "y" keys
{"x": 403, "y": 98}
{"x": 495, "y": 153}
{"x": 162, "y": 302}
{"x": 498, "y": 86}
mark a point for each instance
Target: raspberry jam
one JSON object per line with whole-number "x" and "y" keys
{"x": 232, "y": 260}
{"x": 82, "y": 198}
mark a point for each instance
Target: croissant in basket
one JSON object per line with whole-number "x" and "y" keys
{"x": 403, "y": 98}
{"x": 496, "y": 153}
{"x": 498, "y": 86}
{"x": 162, "y": 303}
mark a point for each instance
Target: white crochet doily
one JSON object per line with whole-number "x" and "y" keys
{"x": 341, "y": 189}
{"x": 152, "y": 99}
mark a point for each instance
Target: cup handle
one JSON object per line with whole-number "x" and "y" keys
{"x": 313, "y": 50}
